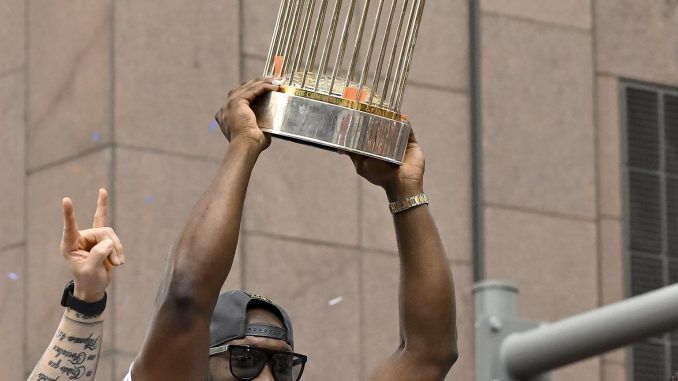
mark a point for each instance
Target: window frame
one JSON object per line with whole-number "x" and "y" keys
{"x": 661, "y": 91}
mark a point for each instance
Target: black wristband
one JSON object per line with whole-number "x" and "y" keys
{"x": 85, "y": 308}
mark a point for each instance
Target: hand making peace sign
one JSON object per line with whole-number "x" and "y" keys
{"x": 93, "y": 253}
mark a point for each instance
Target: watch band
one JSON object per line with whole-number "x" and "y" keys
{"x": 408, "y": 203}
{"x": 85, "y": 308}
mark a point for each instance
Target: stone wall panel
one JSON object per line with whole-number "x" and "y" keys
{"x": 636, "y": 39}
{"x": 154, "y": 196}
{"x": 12, "y": 319}
{"x": 571, "y": 13}
{"x": 12, "y": 35}
{"x": 175, "y": 62}
{"x": 70, "y": 79}
{"x": 538, "y": 133}
{"x": 12, "y": 159}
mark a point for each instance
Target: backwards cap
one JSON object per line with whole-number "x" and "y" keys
{"x": 229, "y": 320}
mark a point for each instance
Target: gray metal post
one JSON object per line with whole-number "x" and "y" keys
{"x": 496, "y": 298}
{"x": 496, "y": 313}
{"x": 591, "y": 333}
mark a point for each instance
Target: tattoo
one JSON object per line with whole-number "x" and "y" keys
{"x": 75, "y": 370}
{"x": 81, "y": 320}
{"x": 86, "y": 317}
{"x": 73, "y": 373}
{"x": 75, "y": 358}
{"x": 42, "y": 377}
{"x": 88, "y": 342}
{"x": 76, "y": 316}
{"x": 74, "y": 351}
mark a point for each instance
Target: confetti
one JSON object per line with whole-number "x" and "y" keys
{"x": 96, "y": 136}
{"x": 149, "y": 199}
{"x": 214, "y": 126}
{"x": 335, "y": 301}
{"x": 13, "y": 276}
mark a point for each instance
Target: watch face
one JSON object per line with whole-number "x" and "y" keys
{"x": 68, "y": 294}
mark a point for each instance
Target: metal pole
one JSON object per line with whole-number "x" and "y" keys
{"x": 328, "y": 45}
{"x": 393, "y": 54}
{"x": 289, "y": 40}
{"x": 403, "y": 53}
{"x": 496, "y": 310}
{"x": 302, "y": 42}
{"x": 368, "y": 58}
{"x": 310, "y": 59}
{"x": 358, "y": 44}
{"x": 274, "y": 41}
{"x": 530, "y": 353}
{"x": 496, "y": 298}
{"x": 342, "y": 46}
{"x": 290, "y": 48}
{"x": 384, "y": 44}
{"x": 408, "y": 62}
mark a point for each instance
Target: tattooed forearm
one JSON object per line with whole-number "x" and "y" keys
{"x": 74, "y": 351}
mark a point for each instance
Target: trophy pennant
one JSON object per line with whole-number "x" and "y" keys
{"x": 343, "y": 80}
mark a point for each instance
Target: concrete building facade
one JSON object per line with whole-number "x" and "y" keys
{"x": 516, "y": 104}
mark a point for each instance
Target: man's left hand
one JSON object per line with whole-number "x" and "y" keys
{"x": 91, "y": 254}
{"x": 398, "y": 181}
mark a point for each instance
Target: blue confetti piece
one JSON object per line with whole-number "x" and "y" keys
{"x": 96, "y": 136}
{"x": 149, "y": 199}
{"x": 13, "y": 276}
{"x": 214, "y": 126}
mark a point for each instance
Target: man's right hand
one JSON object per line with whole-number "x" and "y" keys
{"x": 236, "y": 118}
{"x": 92, "y": 253}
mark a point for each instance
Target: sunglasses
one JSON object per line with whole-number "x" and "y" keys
{"x": 247, "y": 362}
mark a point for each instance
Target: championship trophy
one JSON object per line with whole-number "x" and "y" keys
{"x": 329, "y": 101}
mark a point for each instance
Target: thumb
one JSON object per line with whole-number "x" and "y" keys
{"x": 100, "y": 252}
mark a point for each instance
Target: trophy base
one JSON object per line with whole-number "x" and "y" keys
{"x": 332, "y": 127}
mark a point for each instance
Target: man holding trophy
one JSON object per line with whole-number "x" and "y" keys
{"x": 196, "y": 333}
{"x": 249, "y": 337}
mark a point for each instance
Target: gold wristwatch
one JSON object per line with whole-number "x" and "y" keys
{"x": 408, "y": 203}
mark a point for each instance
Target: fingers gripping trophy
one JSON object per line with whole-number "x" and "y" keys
{"x": 343, "y": 79}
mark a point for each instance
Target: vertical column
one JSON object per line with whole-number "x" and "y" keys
{"x": 557, "y": 216}
{"x": 168, "y": 146}
{"x": 12, "y": 188}
{"x": 69, "y": 148}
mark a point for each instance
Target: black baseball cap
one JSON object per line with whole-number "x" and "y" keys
{"x": 229, "y": 320}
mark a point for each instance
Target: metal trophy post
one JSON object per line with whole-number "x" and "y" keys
{"x": 331, "y": 101}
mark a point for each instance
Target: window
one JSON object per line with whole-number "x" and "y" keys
{"x": 651, "y": 170}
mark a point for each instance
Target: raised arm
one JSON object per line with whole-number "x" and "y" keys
{"x": 177, "y": 343}
{"x": 91, "y": 255}
{"x": 428, "y": 346}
